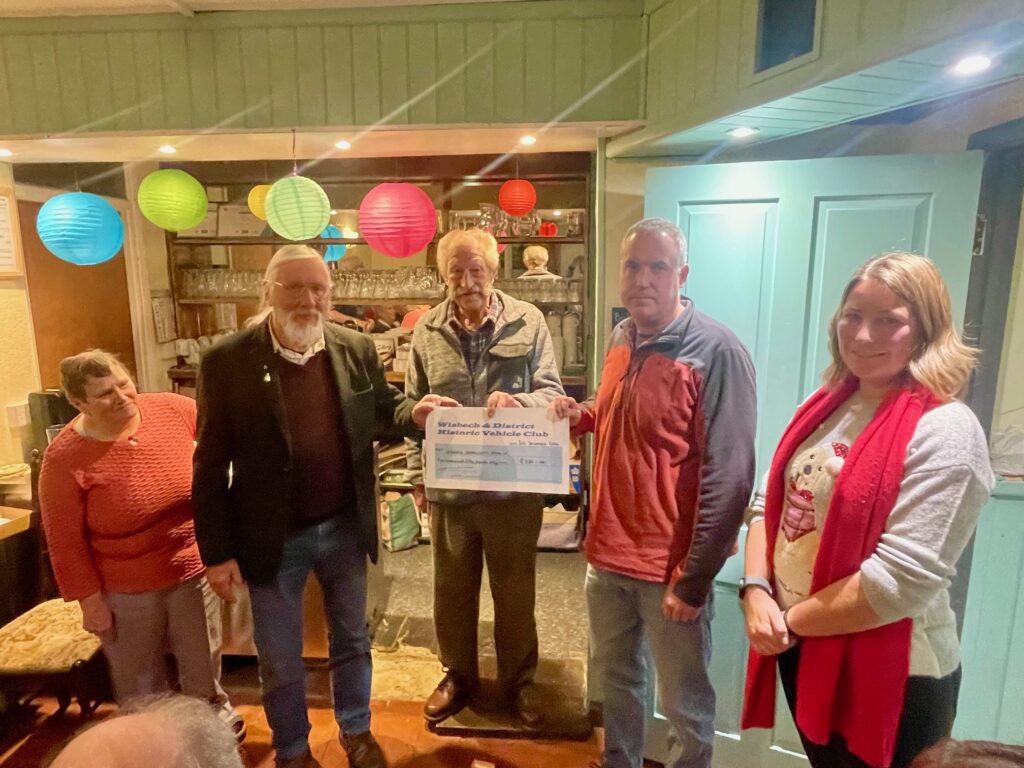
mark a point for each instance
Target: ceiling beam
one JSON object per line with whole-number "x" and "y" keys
{"x": 181, "y": 7}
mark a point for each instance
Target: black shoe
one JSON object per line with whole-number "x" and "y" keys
{"x": 305, "y": 760}
{"x": 527, "y": 705}
{"x": 363, "y": 750}
{"x": 450, "y": 696}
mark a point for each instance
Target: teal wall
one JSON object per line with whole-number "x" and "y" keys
{"x": 500, "y": 63}
{"x": 991, "y": 696}
{"x": 702, "y": 54}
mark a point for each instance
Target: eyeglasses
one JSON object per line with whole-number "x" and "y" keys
{"x": 295, "y": 290}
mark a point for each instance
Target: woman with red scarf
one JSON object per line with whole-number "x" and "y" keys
{"x": 873, "y": 493}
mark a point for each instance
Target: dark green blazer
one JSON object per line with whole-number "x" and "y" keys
{"x": 243, "y": 425}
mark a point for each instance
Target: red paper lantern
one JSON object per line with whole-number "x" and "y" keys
{"x": 548, "y": 229}
{"x": 517, "y": 197}
{"x": 397, "y": 219}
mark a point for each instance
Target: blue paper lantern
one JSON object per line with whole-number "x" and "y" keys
{"x": 334, "y": 252}
{"x": 80, "y": 228}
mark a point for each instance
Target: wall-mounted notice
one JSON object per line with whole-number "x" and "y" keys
{"x": 10, "y": 256}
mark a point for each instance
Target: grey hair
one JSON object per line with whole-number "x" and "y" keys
{"x": 206, "y": 740}
{"x": 201, "y": 738}
{"x": 75, "y": 371}
{"x": 535, "y": 256}
{"x": 286, "y": 253}
{"x": 658, "y": 226}
{"x": 483, "y": 240}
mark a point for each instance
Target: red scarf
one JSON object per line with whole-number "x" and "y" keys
{"x": 853, "y": 684}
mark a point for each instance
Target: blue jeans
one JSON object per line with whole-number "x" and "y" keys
{"x": 332, "y": 552}
{"x": 625, "y": 621}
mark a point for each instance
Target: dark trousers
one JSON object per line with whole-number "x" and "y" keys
{"x": 504, "y": 535}
{"x": 929, "y": 707}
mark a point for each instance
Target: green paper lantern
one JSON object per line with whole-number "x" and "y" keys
{"x": 297, "y": 208}
{"x": 172, "y": 199}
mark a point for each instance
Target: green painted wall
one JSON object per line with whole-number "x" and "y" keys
{"x": 702, "y": 53}
{"x": 435, "y": 65}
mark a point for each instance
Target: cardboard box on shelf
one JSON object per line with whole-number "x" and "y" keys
{"x": 207, "y": 227}
{"x": 238, "y": 221}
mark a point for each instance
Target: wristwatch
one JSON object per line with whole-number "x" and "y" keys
{"x": 755, "y": 581}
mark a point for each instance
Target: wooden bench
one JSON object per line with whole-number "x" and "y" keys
{"x": 45, "y": 650}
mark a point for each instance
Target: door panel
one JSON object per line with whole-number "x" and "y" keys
{"x": 742, "y": 237}
{"x": 848, "y": 232}
{"x": 771, "y": 247}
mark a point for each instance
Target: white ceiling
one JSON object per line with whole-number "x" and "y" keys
{"x": 10, "y": 8}
{"x": 460, "y": 140}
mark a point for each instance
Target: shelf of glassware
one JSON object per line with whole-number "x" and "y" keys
{"x": 537, "y": 239}
{"x": 364, "y": 302}
{"x": 569, "y": 380}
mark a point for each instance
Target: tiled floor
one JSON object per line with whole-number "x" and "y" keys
{"x": 561, "y": 605}
{"x": 398, "y": 726}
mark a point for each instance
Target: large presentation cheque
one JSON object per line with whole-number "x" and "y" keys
{"x": 518, "y": 450}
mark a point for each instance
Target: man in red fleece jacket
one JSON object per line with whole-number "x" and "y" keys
{"x": 673, "y": 423}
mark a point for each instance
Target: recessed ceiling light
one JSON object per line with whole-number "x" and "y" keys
{"x": 167, "y": 149}
{"x": 743, "y": 132}
{"x": 528, "y": 141}
{"x": 556, "y": 213}
{"x": 973, "y": 64}
{"x": 343, "y": 144}
{"x": 4, "y": 152}
{"x": 334, "y": 211}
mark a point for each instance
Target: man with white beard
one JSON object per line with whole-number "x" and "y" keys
{"x": 284, "y": 486}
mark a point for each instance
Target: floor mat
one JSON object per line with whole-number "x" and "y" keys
{"x": 561, "y": 685}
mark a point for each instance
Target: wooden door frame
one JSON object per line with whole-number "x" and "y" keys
{"x": 136, "y": 274}
{"x": 988, "y": 290}
{"x": 988, "y": 297}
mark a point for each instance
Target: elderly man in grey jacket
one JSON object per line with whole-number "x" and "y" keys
{"x": 482, "y": 348}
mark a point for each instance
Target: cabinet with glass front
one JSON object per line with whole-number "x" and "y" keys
{"x": 216, "y": 275}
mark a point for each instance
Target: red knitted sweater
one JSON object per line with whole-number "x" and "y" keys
{"x": 118, "y": 515}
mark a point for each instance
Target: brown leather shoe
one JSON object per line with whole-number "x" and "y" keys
{"x": 450, "y": 696}
{"x": 363, "y": 750}
{"x": 528, "y": 706}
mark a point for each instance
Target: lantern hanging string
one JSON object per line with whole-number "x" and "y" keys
{"x": 295, "y": 161}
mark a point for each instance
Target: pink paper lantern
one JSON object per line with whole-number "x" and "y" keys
{"x": 517, "y": 197}
{"x": 397, "y": 219}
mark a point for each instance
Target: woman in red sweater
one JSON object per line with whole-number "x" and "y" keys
{"x": 116, "y": 495}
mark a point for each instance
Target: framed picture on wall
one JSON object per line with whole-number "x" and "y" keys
{"x": 163, "y": 317}
{"x": 10, "y": 242}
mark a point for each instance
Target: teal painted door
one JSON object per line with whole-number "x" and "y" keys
{"x": 991, "y": 696}
{"x": 771, "y": 246}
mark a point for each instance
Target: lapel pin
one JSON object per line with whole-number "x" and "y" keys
{"x": 266, "y": 375}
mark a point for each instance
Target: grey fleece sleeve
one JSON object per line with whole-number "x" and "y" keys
{"x": 545, "y": 383}
{"x": 947, "y": 479}
{"x": 755, "y": 511}
{"x": 729, "y": 405}
{"x": 416, "y": 387}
